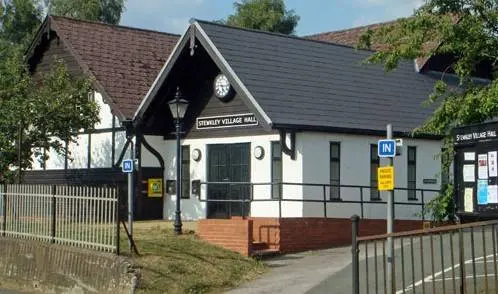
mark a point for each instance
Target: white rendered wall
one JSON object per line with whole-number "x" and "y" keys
{"x": 260, "y": 173}
{"x": 355, "y": 170}
{"x": 100, "y": 144}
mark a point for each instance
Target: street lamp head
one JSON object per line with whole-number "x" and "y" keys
{"x": 178, "y": 106}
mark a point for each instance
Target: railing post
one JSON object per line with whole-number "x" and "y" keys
{"x": 462, "y": 261}
{"x": 54, "y": 190}
{"x": 423, "y": 205}
{"x": 280, "y": 200}
{"x": 324, "y": 202}
{"x": 361, "y": 202}
{"x": 355, "y": 254}
{"x": 4, "y": 224}
{"x": 243, "y": 204}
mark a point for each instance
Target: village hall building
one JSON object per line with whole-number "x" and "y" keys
{"x": 288, "y": 124}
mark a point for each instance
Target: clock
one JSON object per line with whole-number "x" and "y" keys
{"x": 222, "y": 88}
{"x": 259, "y": 152}
{"x": 196, "y": 154}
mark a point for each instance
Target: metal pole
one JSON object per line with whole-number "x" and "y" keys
{"x": 355, "y": 252}
{"x": 390, "y": 209}
{"x": 178, "y": 218}
{"x": 130, "y": 198}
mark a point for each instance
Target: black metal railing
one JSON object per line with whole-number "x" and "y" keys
{"x": 452, "y": 259}
{"x": 222, "y": 193}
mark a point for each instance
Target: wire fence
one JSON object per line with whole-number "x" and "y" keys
{"x": 78, "y": 216}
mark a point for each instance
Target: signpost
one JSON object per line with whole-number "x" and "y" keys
{"x": 385, "y": 182}
{"x": 127, "y": 167}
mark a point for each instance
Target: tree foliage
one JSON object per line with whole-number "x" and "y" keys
{"x": 467, "y": 31}
{"x": 42, "y": 113}
{"x": 266, "y": 15}
{"x": 19, "y": 20}
{"x": 108, "y": 11}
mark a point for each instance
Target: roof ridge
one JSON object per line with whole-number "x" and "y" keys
{"x": 280, "y": 35}
{"x": 112, "y": 25}
{"x": 358, "y": 27}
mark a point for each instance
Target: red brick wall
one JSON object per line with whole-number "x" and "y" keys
{"x": 292, "y": 234}
{"x": 299, "y": 234}
{"x": 267, "y": 230}
{"x": 233, "y": 234}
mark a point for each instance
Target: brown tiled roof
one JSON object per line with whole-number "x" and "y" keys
{"x": 351, "y": 37}
{"x": 124, "y": 61}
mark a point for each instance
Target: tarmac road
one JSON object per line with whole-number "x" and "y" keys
{"x": 422, "y": 273}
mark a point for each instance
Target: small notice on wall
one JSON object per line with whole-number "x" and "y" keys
{"x": 492, "y": 164}
{"x": 482, "y": 192}
{"x": 482, "y": 166}
{"x": 155, "y": 187}
{"x": 492, "y": 194}
{"x": 469, "y": 156}
{"x": 469, "y": 200}
{"x": 469, "y": 173}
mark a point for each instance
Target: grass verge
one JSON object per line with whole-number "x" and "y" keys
{"x": 186, "y": 264}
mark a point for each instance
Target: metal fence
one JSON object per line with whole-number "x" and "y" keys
{"x": 319, "y": 197}
{"x": 452, "y": 259}
{"x": 77, "y": 216}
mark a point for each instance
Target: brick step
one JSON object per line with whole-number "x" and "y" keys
{"x": 257, "y": 245}
{"x": 264, "y": 253}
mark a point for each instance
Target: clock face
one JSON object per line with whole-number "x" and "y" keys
{"x": 221, "y": 86}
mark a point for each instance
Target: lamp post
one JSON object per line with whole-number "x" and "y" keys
{"x": 178, "y": 107}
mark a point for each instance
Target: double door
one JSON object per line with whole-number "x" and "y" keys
{"x": 228, "y": 164}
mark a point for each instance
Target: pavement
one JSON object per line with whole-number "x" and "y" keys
{"x": 298, "y": 273}
{"x": 436, "y": 271}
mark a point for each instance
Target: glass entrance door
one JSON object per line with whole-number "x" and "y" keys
{"x": 228, "y": 163}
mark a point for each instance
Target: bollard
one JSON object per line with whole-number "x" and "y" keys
{"x": 355, "y": 254}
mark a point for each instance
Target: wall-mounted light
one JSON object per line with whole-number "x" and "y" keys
{"x": 196, "y": 154}
{"x": 259, "y": 152}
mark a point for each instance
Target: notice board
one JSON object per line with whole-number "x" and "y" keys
{"x": 475, "y": 170}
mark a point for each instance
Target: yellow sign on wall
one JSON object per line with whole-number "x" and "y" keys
{"x": 155, "y": 187}
{"x": 385, "y": 178}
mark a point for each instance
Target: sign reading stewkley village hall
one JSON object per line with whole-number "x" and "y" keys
{"x": 227, "y": 121}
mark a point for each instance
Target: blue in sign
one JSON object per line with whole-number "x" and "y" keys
{"x": 127, "y": 166}
{"x": 386, "y": 148}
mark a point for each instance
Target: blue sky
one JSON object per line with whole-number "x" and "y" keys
{"x": 316, "y": 15}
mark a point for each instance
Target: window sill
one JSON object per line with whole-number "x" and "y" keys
{"x": 335, "y": 200}
{"x": 376, "y": 199}
{"x": 412, "y": 199}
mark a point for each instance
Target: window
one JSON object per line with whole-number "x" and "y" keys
{"x": 276, "y": 170}
{"x": 412, "y": 173}
{"x": 335, "y": 170}
{"x": 374, "y": 164}
{"x": 185, "y": 172}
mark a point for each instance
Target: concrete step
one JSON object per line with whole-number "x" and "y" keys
{"x": 256, "y": 245}
{"x": 264, "y": 253}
